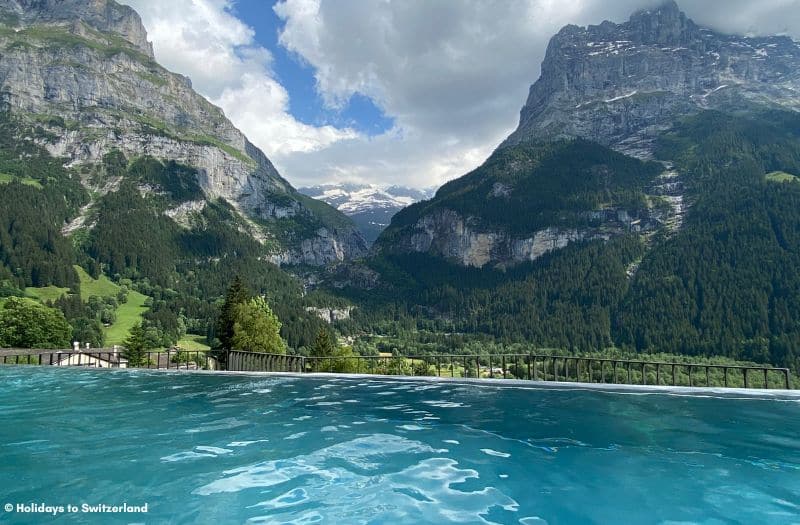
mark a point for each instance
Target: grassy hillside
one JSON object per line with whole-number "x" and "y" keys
{"x": 101, "y": 287}
{"x": 5, "y": 178}
{"x": 46, "y": 293}
{"x": 193, "y": 343}
{"x": 128, "y": 313}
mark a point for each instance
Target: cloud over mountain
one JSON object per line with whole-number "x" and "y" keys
{"x": 452, "y": 75}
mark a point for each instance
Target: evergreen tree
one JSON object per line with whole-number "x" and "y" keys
{"x": 257, "y": 328}
{"x": 324, "y": 344}
{"x": 236, "y": 295}
{"x": 136, "y": 346}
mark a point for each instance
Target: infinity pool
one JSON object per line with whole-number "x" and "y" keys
{"x": 205, "y": 448}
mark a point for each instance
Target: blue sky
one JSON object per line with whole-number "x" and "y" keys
{"x": 306, "y": 105}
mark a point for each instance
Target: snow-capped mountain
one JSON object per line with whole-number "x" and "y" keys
{"x": 370, "y": 206}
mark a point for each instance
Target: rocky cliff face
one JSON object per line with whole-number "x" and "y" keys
{"x": 104, "y": 15}
{"x": 622, "y": 84}
{"x": 84, "y": 74}
{"x": 450, "y": 235}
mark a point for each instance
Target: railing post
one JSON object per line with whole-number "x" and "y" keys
{"x": 504, "y": 366}
{"x": 725, "y": 373}
{"x": 766, "y": 380}
{"x": 673, "y": 375}
{"x": 534, "y": 368}
{"x": 477, "y": 367}
{"x": 708, "y": 378}
{"x": 658, "y": 374}
{"x": 786, "y": 378}
{"x": 745, "y": 378}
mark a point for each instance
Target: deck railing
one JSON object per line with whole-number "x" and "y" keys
{"x": 580, "y": 369}
{"x": 241, "y": 361}
{"x": 111, "y": 358}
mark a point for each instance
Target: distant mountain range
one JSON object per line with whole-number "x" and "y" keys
{"x": 371, "y": 207}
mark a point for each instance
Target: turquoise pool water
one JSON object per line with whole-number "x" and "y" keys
{"x": 203, "y": 448}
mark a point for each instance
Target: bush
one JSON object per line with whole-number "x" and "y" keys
{"x": 24, "y": 323}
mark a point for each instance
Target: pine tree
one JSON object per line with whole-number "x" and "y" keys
{"x": 236, "y": 295}
{"x": 136, "y": 346}
{"x": 324, "y": 345}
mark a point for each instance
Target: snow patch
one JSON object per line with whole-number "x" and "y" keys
{"x": 632, "y": 93}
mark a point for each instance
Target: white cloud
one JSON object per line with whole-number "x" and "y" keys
{"x": 204, "y": 41}
{"x": 452, "y": 75}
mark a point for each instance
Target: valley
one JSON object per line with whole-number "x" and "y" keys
{"x": 654, "y": 212}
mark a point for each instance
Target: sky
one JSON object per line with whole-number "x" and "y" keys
{"x": 408, "y": 92}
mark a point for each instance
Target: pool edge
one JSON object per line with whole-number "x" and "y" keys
{"x": 755, "y": 393}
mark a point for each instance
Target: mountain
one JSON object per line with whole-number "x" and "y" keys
{"x": 370, "y": 206}
{"x": 623, "y": 84}
{"x": 620, "y": 86}
{"x": 649, "y": 200}
{"x": 82, "y": 75}
{"x": 114, "y": 170}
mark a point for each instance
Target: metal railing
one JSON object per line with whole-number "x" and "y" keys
{"x": 111, "y": 358}
{"x": 241, "y": 361}
{"x": 580, "y": 369}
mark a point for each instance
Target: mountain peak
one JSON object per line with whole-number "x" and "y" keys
{"x": 666, "y": 25}
{"x": 622, "y": 84}
{"x": 667, "y": 7}
{"x": 107, "y": 16}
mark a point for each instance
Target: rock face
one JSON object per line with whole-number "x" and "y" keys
{"x": 331, "y": 315}
{"x": 83, "y": 72}
{"x": 449, "y": 235}
{"x": 622, "y": 84}
{"x": 104, "y": 15}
